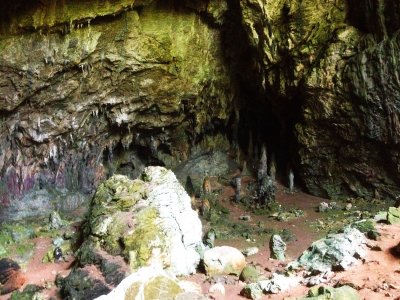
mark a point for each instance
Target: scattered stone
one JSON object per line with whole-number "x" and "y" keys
{"x": 250, "y": 251}
{"x": 249, "y": 274}
{"x": 340, "y": 250}
{"x": 223, "y": 260}
{"x": 252, "y": 291}
{"x": 276, "y": 284}
{"x": 217, "y": 288}
{"x": 245, "y": 218}
{"x": 318, "y": 279}
{"x": 348, "y": 206}
{"x": 55, "y": 221}
{"x": 393, "y": 216}
{"x": 341, "y": 293}
{"x": 223, "y": 279}
{"x": 277, "y": 247}
{"x": 323, "y": 206}
{"x": 58, "y": 242}
{"x": 209, "y": 238}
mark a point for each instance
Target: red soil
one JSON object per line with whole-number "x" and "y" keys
{"x": 377, "y": 278}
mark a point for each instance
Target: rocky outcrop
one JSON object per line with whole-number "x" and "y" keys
{"x": 146, "y": 221}
{"x": 329, "y": 73}
{"x": 90, "y": 89}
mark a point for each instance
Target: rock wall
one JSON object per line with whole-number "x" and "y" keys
{"x": 88, "y": 89}
{"x": 96, "y": 87}
{"x": 329, "y": 71}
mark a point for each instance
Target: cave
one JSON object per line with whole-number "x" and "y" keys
{"x": 266, "y": 123}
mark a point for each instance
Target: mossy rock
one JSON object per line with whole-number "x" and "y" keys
{"x": 364, "y": 225}
{"x": 30, "y": 292}
{"x": 146, "y": 236}
{"x": 393, "y": 216}
{"x": 330, "y": 293}
{"x": 161, "y": 287}
{"x": 249, "y": 274}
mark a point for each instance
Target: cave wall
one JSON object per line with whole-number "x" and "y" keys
{"x": 330, "y": 69}
{"x": 88, "y": 88}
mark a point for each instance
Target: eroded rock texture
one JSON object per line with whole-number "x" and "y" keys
{"x": 329, "y": 69}
{"x": 93, "y": 88}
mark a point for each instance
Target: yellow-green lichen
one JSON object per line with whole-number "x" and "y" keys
{"x": 145, "y": 237}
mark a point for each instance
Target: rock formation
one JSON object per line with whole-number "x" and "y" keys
{"x": 90, "y": 89}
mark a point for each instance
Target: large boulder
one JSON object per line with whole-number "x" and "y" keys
{"x": 148, "y": 283}
{"x": 144, "y": 220}
{"x": 224, "y": 260}
{"x": 339, "y": 250}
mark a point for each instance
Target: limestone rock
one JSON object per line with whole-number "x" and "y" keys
{"x": 55, "y": 221}
{"x": 223, "y": 260}
{"x": 146, "y": 283}
{"x": 152, "y": 217}
{"x": 252, "y": 291}
{"x": 393, "y": 216}
{"x": 250, "y": 251}
{"x": 217, "y": 288}
{"x": 276, "y": 284}
{"x": 277, "y": 247}
{"x": 336, "y": 250}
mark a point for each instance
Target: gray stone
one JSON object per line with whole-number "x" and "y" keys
{"x": 323, "y": 206}
{"x": 252, "y": 291}
{"x": 277, "y": 247}
{"x": 340, "y": 250}
{"x": 250, "y": 251}
{"x": 55, "y": 221}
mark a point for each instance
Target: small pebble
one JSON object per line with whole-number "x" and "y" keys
{"x": 217, "y": 288}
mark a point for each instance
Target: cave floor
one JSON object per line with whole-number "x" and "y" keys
{"x": 296, "y": 219}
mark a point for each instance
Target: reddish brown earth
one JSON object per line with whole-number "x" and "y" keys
{"x": 377, "y": 278}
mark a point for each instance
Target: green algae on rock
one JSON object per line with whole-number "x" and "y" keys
{"x": 144, "y": 220}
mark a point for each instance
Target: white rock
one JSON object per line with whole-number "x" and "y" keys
{"x": 178, "y": 220}
{"x": 250, "y": 251}
{"x": 223, "y": 261}
{"x": 217, "y": 288}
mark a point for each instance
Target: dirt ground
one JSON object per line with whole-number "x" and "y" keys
{"x": 378, "y": 277}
